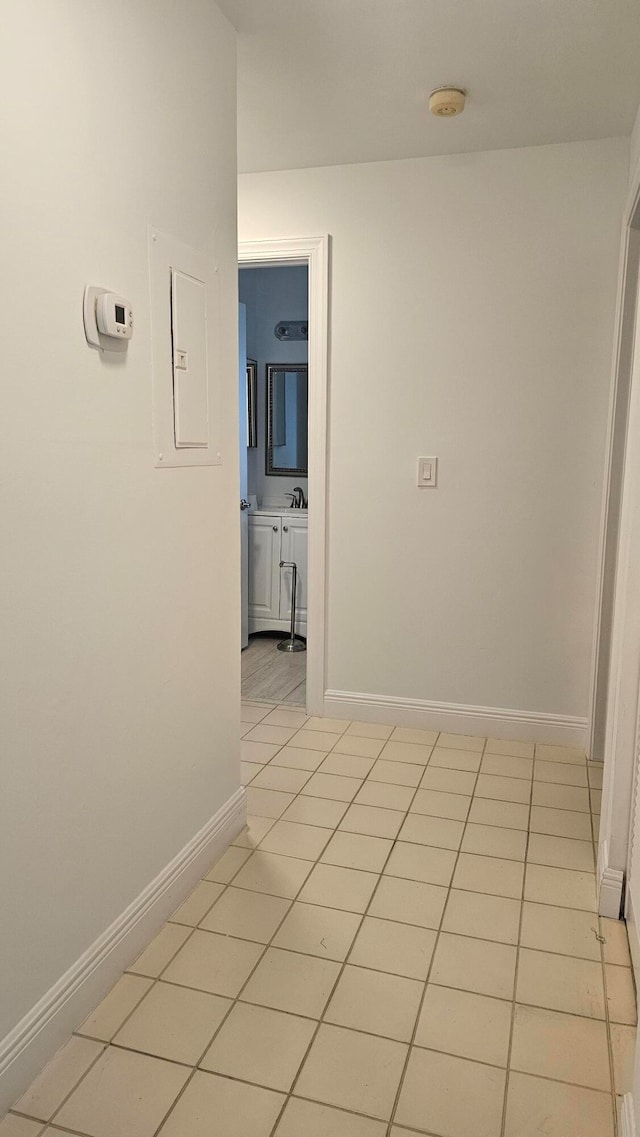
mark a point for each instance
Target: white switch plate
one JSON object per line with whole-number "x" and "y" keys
{"x": 427, "y": 472}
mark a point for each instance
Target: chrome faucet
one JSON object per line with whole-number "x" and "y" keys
{"x": 299, "y": 502}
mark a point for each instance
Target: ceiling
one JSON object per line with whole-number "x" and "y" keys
{"x": 325, "y": 82}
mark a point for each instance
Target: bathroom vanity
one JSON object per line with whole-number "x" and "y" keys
{"x": 277, "y": 535}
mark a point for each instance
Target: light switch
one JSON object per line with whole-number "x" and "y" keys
{"x": 190, "y": 380}
{"x": 427, "y": 472}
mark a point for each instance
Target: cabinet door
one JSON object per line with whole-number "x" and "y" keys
{"x": 264, "y": 570}
{"x": 294, "y": 548}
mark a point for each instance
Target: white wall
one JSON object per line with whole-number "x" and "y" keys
{"x": 472, "y": 302}
{"x": 120, "y": 603}
{"x": 272, "y": 294}
{"x": 634, "y": 149}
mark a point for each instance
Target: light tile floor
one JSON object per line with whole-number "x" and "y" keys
{"x": 403, "y": 940}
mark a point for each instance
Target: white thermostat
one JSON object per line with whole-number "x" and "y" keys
{"x": 114, "y": 315}
{"x": 108, "y": 319}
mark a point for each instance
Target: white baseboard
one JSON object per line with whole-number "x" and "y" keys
{"x": 262, "y": 624}
{"x": 610, "y": 893}
{"x": 627, "y": 1117}
{"x": 496, "y": 722}
{"x": 610, "y": 885}
{"x": 35, "y": 1039}
{"x": 632, "y": 932}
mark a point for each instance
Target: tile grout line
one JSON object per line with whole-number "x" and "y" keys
{"x": 379, "y": 970}
{"x": 609, "y": 1046}
{"x": 608, "y": 1027}
{"x": 353, "y": 1029}
{"x": 403, "y": 841}
{"x": 422, "y": 844}
{"x": 347, "y": 730}
{"x": 317, "y": 861}
{"x": 452, "y": 793}
{"x": 106, "y": 1045}
{"x": 50, "y": 1120}
{"x": 271, "y": 762}
{"x": 109, "y": 1042}
{"x": 395, "y": 841}
{"x": 400, "y": 1087}
{"x": 499, "y": 801}
{"x": 233, "y": 1000}
{"x": 155, "y": 980}
{"x": 47, "y": 1124}
{"x": 433, "y": 747}
{"x": 373, "y": 872}
{"x": 515, "y": 975}
{"x": 344, "y": 964}
{"x": 249, "y": 976}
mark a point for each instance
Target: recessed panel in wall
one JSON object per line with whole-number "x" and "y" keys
{"x": 185, "y": 337}
{"x": 189, "y": 332}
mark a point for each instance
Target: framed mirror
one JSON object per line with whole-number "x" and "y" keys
{"x": 252, "y": 402}
{"x": 287, "y": 412}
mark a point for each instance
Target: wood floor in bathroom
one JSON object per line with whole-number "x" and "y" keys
{"x": 272, "y": 675}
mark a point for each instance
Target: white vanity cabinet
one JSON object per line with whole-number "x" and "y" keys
{"x": 264, "y": 570}
{"x": 293, "y": 547}
{"x": 275, "y": 537}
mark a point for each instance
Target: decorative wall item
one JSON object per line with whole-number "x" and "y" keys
{"x": 287, "y": 397}
{"x": 252, "y": 402}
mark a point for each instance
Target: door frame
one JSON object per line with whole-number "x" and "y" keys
{"x": 611, "y": 514}
{"x": 314, "y": 253}
{"x": 616, "y": 645}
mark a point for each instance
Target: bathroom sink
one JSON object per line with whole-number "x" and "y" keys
{"x": 281, "y": 510}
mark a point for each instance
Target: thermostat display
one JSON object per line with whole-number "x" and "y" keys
{"x": 114, "y": 316}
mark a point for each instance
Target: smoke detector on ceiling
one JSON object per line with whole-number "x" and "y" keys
{"x": 445, "y": 102}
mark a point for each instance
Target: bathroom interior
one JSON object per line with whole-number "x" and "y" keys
{"x": 274, "y": 481}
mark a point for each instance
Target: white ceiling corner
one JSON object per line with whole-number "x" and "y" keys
{"x": 325, "y": 82}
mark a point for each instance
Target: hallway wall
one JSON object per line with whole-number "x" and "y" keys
{"x": 634, "y": 147}
{"x": 120, "y": 606}
{"x": 472, "y": 303}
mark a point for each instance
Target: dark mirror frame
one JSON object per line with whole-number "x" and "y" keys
{"x": 270, "y": 469}
{"x": 252, "y": 402}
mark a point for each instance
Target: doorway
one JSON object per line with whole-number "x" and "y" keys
{"x": 283, "y": 396}
{"x": 275, "y": 483}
